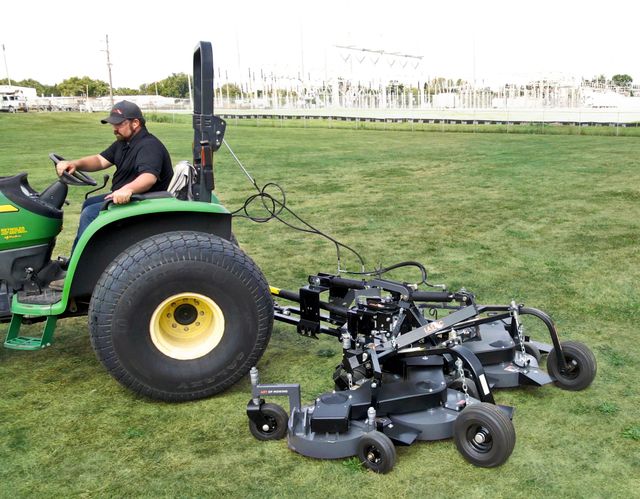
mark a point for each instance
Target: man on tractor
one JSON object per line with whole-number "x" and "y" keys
{"x": 142, "y": 164}
{"x": 185, "y": 327}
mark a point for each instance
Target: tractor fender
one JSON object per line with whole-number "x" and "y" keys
{"x": 121, "y": 226}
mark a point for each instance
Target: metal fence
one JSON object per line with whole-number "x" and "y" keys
{"x": 558, "y": 123}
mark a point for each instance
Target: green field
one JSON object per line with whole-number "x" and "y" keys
{"x": 552, "y": 221}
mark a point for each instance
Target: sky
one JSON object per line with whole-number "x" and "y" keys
{"x": 487, "y": 41}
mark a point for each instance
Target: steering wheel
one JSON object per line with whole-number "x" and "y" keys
{"x": 75, "y": 178}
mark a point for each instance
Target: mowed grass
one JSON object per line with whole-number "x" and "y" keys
{"x": 549, "y": 220}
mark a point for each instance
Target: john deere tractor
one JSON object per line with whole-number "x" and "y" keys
{"x": 176, "y": 310}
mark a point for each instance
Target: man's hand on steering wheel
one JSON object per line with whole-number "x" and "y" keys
{"x": 69, "y": 173}
{"x": 65, "y": 166}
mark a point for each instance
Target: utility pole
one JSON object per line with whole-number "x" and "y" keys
{"x": 109, "y": 68}
{"x": 6, "y": 68}
{"x": 301, "y": 52}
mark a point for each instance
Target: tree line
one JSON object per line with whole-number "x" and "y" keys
{"x": 176, "y": 85}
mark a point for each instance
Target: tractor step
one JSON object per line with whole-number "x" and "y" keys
{"x": 24, "y": 343}
{"x": 47, "y": 297}
{"x": 16, "y": 342}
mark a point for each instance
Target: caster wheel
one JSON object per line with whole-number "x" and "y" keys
{"x": 581, "y": 366}
{"x": 377, "y": 452}
{"x": 275, "y": 427}
{"x": 484, "y": 435}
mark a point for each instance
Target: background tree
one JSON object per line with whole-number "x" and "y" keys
{"x": 231, "y": 90}
{"x": 621, "y": 80}
{"x": 126, "y": 91}
{"x": 176, "y": 85}
{"x": 76, "y": 86}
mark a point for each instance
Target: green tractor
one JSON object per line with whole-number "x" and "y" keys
{"x": 176, "y": 310}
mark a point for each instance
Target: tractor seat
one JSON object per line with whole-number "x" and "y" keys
{"x": 180, "y": 186}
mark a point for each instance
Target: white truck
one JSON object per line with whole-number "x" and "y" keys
{"x": 13, "y": 101}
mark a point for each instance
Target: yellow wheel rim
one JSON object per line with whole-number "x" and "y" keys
{"x": 187, "y": 326}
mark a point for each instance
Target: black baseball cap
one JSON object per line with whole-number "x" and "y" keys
{"x": 121, "y": 111}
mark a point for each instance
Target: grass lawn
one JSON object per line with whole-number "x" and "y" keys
{"x": 552, "y": 221}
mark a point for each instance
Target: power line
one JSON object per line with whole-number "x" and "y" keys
{"x": 381, "y": 52}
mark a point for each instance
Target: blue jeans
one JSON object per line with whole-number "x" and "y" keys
{"x": 90, "y": 211}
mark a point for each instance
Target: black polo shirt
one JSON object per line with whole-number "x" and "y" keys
{"x": 144, "y": 153}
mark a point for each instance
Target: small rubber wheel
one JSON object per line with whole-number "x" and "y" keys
{"x": 275, "y": 427}
{"x": 472, "y": 388}
{"x": 377, "y": 452}
{"x": 533, "y": 350}
{"x": 581, "y": 364}
{"x": 484, "y": 435}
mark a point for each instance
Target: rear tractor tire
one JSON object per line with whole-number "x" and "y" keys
{"x": 180, "y": 316}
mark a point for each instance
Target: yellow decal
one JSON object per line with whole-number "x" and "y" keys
{"x": 274, "y": 291}
{"x": 7, "y": 208}
{"x": 13, "y": 232}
